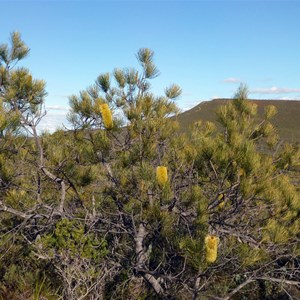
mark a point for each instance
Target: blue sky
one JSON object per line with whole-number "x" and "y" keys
{"x": 207, "y": 47}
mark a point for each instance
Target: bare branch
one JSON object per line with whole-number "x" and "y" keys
{"x": 280, "y": 280}
{"x": 142, "y": 257}
{"x": 14, "y": 211}
{"x": 249, "y": 280}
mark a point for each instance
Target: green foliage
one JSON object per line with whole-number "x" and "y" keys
{"x": 250, "y": 256}
{"x": 103, "y": 81}
{"x": 18, "y": 50}
{"x": 21, "y": 274}
{"x": 173, "y": 91}
{"x": 193, "y": 250}
{"x": 82, "y": 213}
{"x": 275, "y": 232}
{"x": 270, "y": 112}
{"x": 70, "y": 237}
{"x": 145, "y": 57}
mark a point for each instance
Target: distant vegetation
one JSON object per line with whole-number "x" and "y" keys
{"x": 144, "y": 211}
{"x": 286, "y": 121}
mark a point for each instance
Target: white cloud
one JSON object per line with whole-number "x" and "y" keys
{"x": 61, "y": 96}
{"x": 274, "y": 90}
{"x": 232, "y": 80}
{"x": 215, "y": 97}
{"x": 289, "y": 98}
{"x": 186, "y": 94}
{"x": 54, "y": 119}
{"x": 186, "y": 105}
{"x": 57, "y": 107}
{"x": 52, "y": 122}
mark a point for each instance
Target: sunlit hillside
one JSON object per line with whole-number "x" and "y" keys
{"x": 287, "y": 119}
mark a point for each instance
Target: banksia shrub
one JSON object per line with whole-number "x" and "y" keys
{"x": 161, "y": 175}
{"x": 211, "y": 245}
{"x": 106, "y": 115}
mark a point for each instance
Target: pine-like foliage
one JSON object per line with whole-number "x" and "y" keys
{"x": 87, "y": 214}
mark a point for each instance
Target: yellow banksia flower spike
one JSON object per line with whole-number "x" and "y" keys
{"x": 221, "y": 205}
{"x": 161, "y": 175}
{"x": 106, "y": 115}
{"x": 211, "y": 247}
{"x": 241, "y": 172}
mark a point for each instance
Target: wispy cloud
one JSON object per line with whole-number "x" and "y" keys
{"x": 186, "y": 94}
{"x": 215, "y": 97}
{"x": 61, "y": 96}
{"x": 57, "y": 107}
{"x": 274, "y": 90}
{"x": 232, "y": 80}
{"x": 53, "y": 121}
{"x": 55, "y": 118}
{"x": 289, "y": 98}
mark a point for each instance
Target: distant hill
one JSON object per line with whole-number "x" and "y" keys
{"x": 287, "y": 119}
